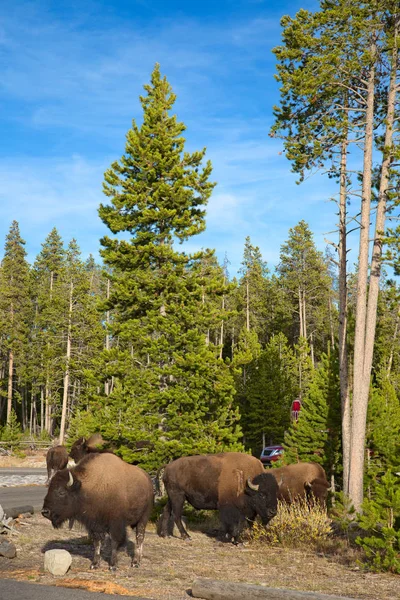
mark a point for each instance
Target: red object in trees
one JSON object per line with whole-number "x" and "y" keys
{"x": 296, "y": 408}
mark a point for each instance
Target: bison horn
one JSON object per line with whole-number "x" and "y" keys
{"x": 71, "y": 479}
{"x": 252, "y": 486}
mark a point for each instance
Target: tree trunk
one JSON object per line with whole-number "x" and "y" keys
{"x": 67, "y": 367}
{"x": 107, "y": 383}
{"x": 343, "y": 303}
{"x": 359, "y": 406}
{"x": 10, "y": 384}
{"x": 395, "y": 334}
{"x": 42, "y": 425}
{"x": 376, "y": 259}
{"x": 301, "y": 331}
{"x": 247, "y": 303}
{"x": 222, "y": 329}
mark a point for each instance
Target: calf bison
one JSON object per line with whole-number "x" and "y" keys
{"x": 304, "y": 480}
{"x": 233, "y": 483}
{"x": 105, "y": 494}
{"x": 82, "y": 447}
{"x": 56, "y": 459}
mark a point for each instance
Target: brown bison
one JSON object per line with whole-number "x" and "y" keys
{"x": 105, "y": 494}
{"x": 56, "y": 459}
{"x": 82, "y": 447}
{"x": 233, "y": 483}
{"x": 306, "y": 480}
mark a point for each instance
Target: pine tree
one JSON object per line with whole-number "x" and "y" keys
{"x": 304, "y": 277}
{"x": 272, "y": 385}
{"x": 171, "y": 389}
{"x": 15, "y": 310}
{"x": 50, "y": 306}
{"x": 316, "y": 435}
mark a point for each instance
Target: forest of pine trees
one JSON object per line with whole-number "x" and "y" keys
{"x": 167, "y": 355}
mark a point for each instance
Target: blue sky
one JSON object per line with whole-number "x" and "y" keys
{"x": 71, "y": 76}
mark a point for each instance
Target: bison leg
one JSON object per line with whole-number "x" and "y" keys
{"x": 97, "y": 547}
{"x": 118, "y": 537}
{"x": 138, "y": 553}
{"x": 177, "y": 502}
{"x": 166, "y": 527}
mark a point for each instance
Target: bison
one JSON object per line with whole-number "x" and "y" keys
{"x": 105, "y": 494}
{"x": 56, "y": 459}
{"x": 233, "y": 483}
{"x": 82, "y": 447}
{"x": 305, "y": 480}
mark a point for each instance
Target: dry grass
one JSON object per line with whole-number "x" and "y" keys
{"x": 295, "y": 526}
{"x": 171, "y": 565}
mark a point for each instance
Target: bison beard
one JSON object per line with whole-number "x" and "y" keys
{"x": 233, "y": 483}
{"x": 105, "y": 494}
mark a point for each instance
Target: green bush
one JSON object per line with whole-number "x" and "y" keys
{"x": 381, "y": 517}
{"x": 12, "y": 431}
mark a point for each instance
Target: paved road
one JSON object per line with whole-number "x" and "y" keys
{"x": 33, "y": 495}
{"x": 22, "y": 471}
{"x": 22, "y": 496}
{"x": 19, "y": 590}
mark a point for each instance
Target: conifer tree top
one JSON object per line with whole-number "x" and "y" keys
{"x": 157, "y": 191}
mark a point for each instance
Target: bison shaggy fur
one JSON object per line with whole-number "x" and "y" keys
{"x": 104, "y": 494}
{"x": 82, "y": 447}
{"x": 56, "y": 459}
{"x": 233, "y": 483}
{"x": 302, "y": 480}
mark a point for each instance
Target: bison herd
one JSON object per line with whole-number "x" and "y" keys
{"x": 106, "y": 495}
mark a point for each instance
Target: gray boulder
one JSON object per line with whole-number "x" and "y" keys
{"x": 8, "y": 549}
{"x": 57, "y": 562}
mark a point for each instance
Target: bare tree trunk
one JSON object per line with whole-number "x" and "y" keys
{"x": 107, "y": 383}
{"x": 31, "y": 417}
{"x": 222, "y": 329}
{"x": 304, "y": 314}
{"x": 359, "y": 412}
{"x": 376, "y": 259}
{"x": 312, "y": 349}
{"x": 331, "y": 322}
{"x": 10, "y": 384}
{"x": 301, "y": 332}
{"x": 395, "y": 334}
{"x": 247, "y": 303}
{"x": 67, "y": 367}
{"x": 343, "y": 308}
{"x": 41, "y": 410}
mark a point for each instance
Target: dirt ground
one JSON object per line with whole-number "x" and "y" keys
{"x": 170, "y": 566}
{"x": 35, "y": 459}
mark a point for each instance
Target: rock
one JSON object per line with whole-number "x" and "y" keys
{"x": 57, "y": 562}
{"x": 8, "y": 549}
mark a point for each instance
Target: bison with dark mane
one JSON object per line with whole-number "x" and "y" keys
{"x": 233, "y": 483}
{"x": 304, "y": 480}
{"x": 56, "y": 459}
{"x": 105, "y": 494}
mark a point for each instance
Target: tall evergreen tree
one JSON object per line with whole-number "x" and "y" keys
{"x": 15, "y": 310}
{"x": 171, "y": 388}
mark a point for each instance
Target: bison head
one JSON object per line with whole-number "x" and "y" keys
{"x": 61, "y": 499}
{"x": 79, "y": 449}
{"x": 262, "y": 494}
{"x": 317, "y": 490}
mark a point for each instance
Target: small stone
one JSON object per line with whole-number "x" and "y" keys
{"x": 8, "y": 549}
{"x": 57, "y": 562}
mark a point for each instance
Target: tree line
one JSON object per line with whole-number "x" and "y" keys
{"x": 166, "y": 354}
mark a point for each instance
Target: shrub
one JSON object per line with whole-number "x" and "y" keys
{"x": 381, "y": 517}
{"x": 294, "y": 526}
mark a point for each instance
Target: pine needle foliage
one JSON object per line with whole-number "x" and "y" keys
{"x": 172, "y": 395}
